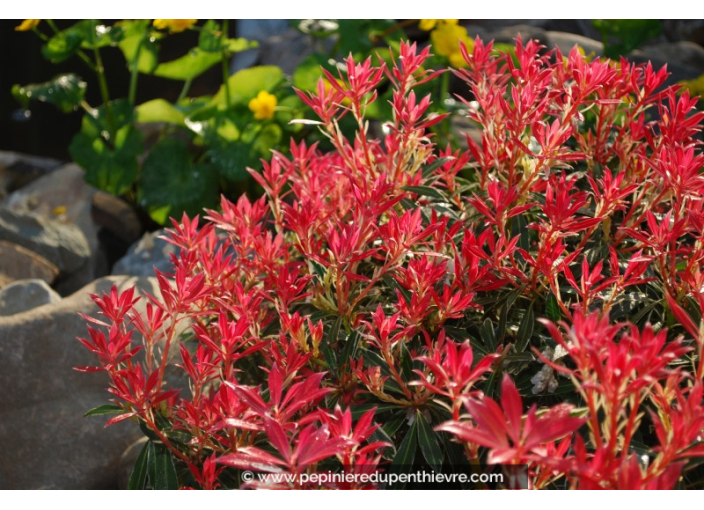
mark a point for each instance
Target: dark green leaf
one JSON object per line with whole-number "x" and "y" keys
{"x": 406, "y": 363}
{"x": 64, "y": 91}
{"x": 162, "y": 471}
{"x": 104, "y": 409}
{"x": 391, "y": 426}
{"x": 519, "y": 227}
{"x": 503, "y": 322}
{"x": 148, "y": 432}
{"x": 355, "y": 34}
{"x": 428, "y": 170}
{"x": 171, "y": 179}
{"x": 210, "y": 39}
{"x": 359, "y": 410}
{"x": 97, "y": 35}
{"x": 381, "y": 435}
{"x": 62, "y": 46}
{"x": 519, "y": 357}
{"x": 326, "y": 345}
{"x": 405, "y": 455}
{"x": 428, "y": 442}
{"x": 101, "y": 121}
{"x": 350, "y": 348}
{"x": 486, "y": 331}
{"x": 525, "y": 330}
{"x": 138, "y": 478}
{"x": 87, "y": 34}
{"x": 552, "y": 309}
{"x": 112, "y": 168}
{"x": 391, "y": 282}
{"x": 426, "y": 191}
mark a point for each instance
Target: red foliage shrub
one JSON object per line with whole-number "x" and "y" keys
{"x": 364, "y": 311}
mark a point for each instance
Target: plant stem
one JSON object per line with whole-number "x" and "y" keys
{"x": 135, "y": 71}
{"x": 225, "y": 62}
{"x": 184, "y": 90}
{"x": 443, "y": 127}
{"x": 103, "y": 82}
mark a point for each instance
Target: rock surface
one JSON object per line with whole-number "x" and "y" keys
{"x": 116, "y": 216}
{"x": 149, "y": 253}
{"x": 18, "y": 263}
{"x": 63, "y": 197}
{"x": 685, "y": 53}
{"x": 17, "y": 170}
{"x": 566, "y": 41}
{"x": 26, "y": 295}
{"x": 44, "y": 439}
{"x": 64, "y": 245}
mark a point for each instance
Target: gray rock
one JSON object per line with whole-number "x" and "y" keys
{"x": 116, "y": 216}
{"x": 683, "y": 29}
{"x": 677, "y": 71}
{"x": 63, "y": 197}
{"x": 566, "y": 41}
{"x": 279, "y": 44}
{"x": 18, "y": 263}
{"x": 26, "y": 295}
{"x": 574, "y": 26}
{"x": 45, "y": 442}
{"x": 256, "y": 30}
{"x": 64, "y": 245}
{"x": 17, "y": 170}
{"x": 143, "y": 257}
{"x": 510, "y": 23}
{"x": 684, "y": 53}
{"x": 507, "y": 34}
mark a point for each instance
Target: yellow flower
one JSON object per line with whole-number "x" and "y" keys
{"x": 457, "y": 60}
{"x": 446, "y": 41}
{"x": 429, "y": 24}
{"x": 263, "y": 105}
{"x": 174, "y": 25}
{"x": 346, "y": 101}
{"x": 27, "y": 25}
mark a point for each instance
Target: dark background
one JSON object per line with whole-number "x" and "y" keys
{"x": 48, "y": 132}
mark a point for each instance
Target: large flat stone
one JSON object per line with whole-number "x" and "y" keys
{"x": 45, "y": 442}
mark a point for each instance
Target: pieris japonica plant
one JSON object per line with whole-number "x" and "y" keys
{"x": 533, "y": 300}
